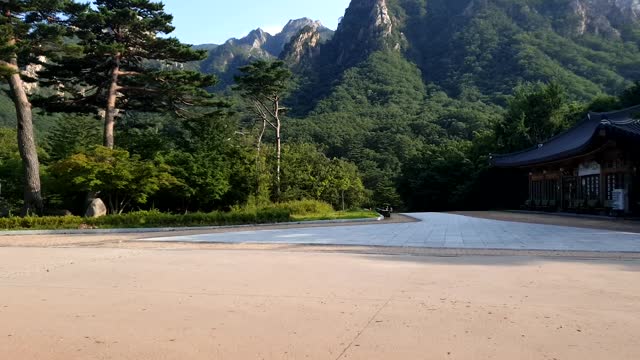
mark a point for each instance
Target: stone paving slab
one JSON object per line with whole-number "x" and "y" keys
{"x": 437, "y": 230}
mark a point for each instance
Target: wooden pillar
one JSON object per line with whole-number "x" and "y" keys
{"x": 531, "y": 186}
{"x": 628, "y": 187}
{"x": 561, "y": 190}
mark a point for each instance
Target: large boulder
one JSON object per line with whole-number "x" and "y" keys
{"x": 96, "y": 209}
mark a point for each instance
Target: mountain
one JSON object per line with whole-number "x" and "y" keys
{"x": 207, "y": 47}
{"x": 225, "y": 59}
{"x": 409, "y": 82}
{"x": 484, "y": 48}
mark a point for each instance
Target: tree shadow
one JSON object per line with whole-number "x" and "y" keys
{"x": 625, "y": 261}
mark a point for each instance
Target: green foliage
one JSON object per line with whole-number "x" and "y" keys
{"x": 31, "y": 28}
{"x": 213, "y": 165}
{"x": 280, "y": 213}
{"x": 339, "y": 215}
{"x": 114, "y": 175}
{"x": 40, "y": 223}
{"x": 308, "y": 174}
{"x": 492, "y": 46}
{"x": 438, "y": 177}
{"x": 631, "y": 96}
{"x": 203, "y": 178}
{"x": 263, "y": 80}
{"x": 72, "y": 134}
{"x": 158, "y": 219}
{"x": 125, "y": 42}
{"x": 7, "y": 110}
{"x": 305, "y": 207}
{"x": 149, "y": 219}
{"x": 406, "y": 118}
{"x": 536, "y": 113}
{"x": 11, "y": 176}
{"x": 11, "y": 171}
{"x": 380, "y": 115}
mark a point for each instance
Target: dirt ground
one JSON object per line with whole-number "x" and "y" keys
{"x": 111, "y": 297}
{"x": 181, "y": 303}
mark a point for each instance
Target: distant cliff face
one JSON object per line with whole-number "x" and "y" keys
{"x": 305, "y": 45}
{"x": 604, "y": 16}
{"x": 223, "y": 60}
{"x": 293, "y": 29}
{"x": 367, "y": 26}
{"x": 599, "y": 17}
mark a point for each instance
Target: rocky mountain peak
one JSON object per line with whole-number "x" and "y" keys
{"x": 366, "y": 27}
{"x": 604, "y": 16}
{"x": 294, "y": 26}
{"x": 224, "y": 60}
{"x": 382, "y": 21}
{"x": 256, "y": 39}
{"x": 291, "y": 30}
{"x": 303, "y": 45}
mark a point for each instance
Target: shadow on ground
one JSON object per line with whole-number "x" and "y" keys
{"x": 511, "y": 260}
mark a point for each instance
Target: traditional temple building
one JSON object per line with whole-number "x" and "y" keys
{"x": 593, "y": 167}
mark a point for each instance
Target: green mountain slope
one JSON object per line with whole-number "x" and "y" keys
{"x": 404, "y": 82}
{"x": 487, "y": 47}
{"x": 481, "y": 49}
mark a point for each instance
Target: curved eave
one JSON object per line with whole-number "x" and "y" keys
{"x": 631, "y": 131}
{"x": 575, "y": 141}
{"x": 495, "y": 162}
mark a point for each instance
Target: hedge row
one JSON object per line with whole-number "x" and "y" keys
{"x": 150, "y": 219}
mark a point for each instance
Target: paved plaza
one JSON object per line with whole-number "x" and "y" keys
{"x": 437, "y": 230}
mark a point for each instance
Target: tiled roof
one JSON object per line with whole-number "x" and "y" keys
{"x": 575, "y": 140}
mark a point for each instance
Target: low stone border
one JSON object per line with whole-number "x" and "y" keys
{"x": 178, "y": 229}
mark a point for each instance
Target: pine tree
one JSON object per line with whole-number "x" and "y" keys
{"x": 264, "y": 84}
{"x": 29, "y": 30}
{"x": 124, "y": 63}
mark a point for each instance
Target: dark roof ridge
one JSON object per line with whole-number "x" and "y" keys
{"x": 617, "y": 112}
{"x": 591, "y": 116}
{"x": 620, "y": 117}
{"x": 576, "y": 138}
{"x": 538, "y": 146}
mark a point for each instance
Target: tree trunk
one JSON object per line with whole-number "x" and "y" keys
{"x": 111, "y": 112}
{"x": 258, "y": 159}
{"x": 26, "y": 142}
{"x": 279, "y": 158}
{"x": 278, "y": 144}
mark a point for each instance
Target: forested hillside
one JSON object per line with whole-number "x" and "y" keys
{"x": 426, "y": 83}
{"x": 483, "y": 49}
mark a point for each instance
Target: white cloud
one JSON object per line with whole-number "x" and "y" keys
{"x": 273, "y": 29}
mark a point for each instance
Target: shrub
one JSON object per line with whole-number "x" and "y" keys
{"x": 216, "y": 218}
{"x": 306, "y": 207}
{"x": 142, "y": 219}
{"x": 276, "y": 213}
{"x": 49, "y": 222}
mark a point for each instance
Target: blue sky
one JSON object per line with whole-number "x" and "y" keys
{"x": 215, "y": 21}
